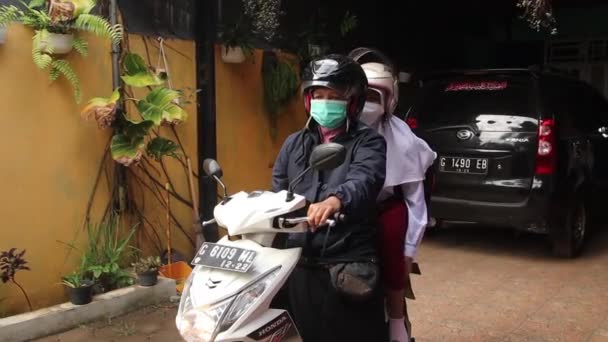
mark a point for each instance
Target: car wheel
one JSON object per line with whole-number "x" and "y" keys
{"x": 575, "y": 231}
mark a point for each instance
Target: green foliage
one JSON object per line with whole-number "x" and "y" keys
{"x": 137, "y": 74}
{"x": 97, "y": 26}
{"x": 8, "y": 14}
{"x": 127, "y": 150}
{"x": 106, "y": 252}
{"x": 81, "y": 46}
{"x": 237, "y": 35}
{"x": 160, "y": 106}
{"x": 159, "y": 147}
{"x": 349, "y": 23}
{"x": 150, "y": 263}
{"x": 63, "y": 67}
{"x": 41, "y": 60}
{"x": 280, "y": 85}
{"x": 38, "y": 16}
{"x": 76, "y": 279}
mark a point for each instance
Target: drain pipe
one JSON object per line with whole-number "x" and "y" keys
{"x": 121, "y": 173}
{"x": 206, "y": 31}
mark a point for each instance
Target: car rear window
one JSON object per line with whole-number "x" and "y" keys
{"x": 491, "y": 103}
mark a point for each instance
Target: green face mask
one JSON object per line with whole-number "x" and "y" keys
{"x": 328, "y": 113}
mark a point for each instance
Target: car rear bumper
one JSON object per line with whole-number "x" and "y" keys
{"x": 530, "y": 215}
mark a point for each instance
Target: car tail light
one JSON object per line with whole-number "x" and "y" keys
{"x": 546, "y": 155}
{"x": 412, "y": 122}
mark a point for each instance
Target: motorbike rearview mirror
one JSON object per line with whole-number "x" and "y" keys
{"x": 213, "y": 170}
{"x": 327, "y": 156}
{"x": 323, "y": 157}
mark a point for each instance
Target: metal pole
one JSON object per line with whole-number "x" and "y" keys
{"x": 116, "y": 82}
{"x": 207, "y": 12}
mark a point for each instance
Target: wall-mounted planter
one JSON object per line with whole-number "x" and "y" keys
{"x": 3, "y": 31}
{"x": 58, "y": 43}
{"x": 233, "y": 54}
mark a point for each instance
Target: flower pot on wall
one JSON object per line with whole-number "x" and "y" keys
{"x": 149, "y": 278}
{"x": 3, "y": 31}
{"x": 57, "y": 43}
{"x": 81, "y": 295}
{"x": 233, "y": 54}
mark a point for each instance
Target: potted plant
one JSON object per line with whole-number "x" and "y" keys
{"x": 147, "y": 270}
{"x": 80, "y": 288}
{"x": 56, "y": 24}
{"x": 236, "y": 42}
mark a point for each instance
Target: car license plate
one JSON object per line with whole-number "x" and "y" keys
{"x": 225, "y": 257}
{"x": 463, "y": 165}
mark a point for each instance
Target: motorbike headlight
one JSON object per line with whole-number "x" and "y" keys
{"x": 207, "y": 321}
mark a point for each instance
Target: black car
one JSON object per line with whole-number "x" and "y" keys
{"x": 522, "y": 148}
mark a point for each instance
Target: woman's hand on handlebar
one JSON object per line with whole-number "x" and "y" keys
{"x": 319, "y": 213}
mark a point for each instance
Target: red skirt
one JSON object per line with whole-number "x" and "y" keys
{"x": 392, "y": 221}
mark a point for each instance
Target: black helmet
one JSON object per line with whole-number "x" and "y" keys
{"x": 340, "y": 73}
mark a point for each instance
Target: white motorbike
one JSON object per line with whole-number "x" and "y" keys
{"x": 227, "y": 296}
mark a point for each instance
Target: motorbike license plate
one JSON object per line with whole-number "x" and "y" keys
{"x": 224, "y": 257}
{"x": 477, "y": 166}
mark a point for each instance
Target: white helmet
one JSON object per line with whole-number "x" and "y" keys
{"x": 381, "y": 77}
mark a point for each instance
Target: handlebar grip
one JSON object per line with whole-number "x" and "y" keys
{"x": 339, "y": 217}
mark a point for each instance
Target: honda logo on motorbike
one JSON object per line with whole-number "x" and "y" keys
{"x": 464, "y": 134}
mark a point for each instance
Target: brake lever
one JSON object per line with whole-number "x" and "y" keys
{"x": 207, "y": 223}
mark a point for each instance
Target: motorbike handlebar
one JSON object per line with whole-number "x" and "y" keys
{"x": 297, "y": 220}
{"x": 207, "y": 223}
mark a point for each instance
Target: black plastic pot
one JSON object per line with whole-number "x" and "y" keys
{"x": 149, "y": 278}
{"x": 81, "y": 295}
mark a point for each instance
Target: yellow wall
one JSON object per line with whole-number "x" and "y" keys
{"x": 245, "y": 150}
{"x": 50, "y": 156}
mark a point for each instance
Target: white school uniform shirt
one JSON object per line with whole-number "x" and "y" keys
{"x": 407, "y": 159}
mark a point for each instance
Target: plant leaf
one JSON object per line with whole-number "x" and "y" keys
{"x": 140, "y": 129}
{"x": 160, "y": 106}
{"x": 137, "y": 73}
{"x": 63, "y": 66}
{"x": 98, "y": 26}
{"x": 159, "y": 147}
{"x": 9, "y": 14}
{"x": 41, "y": 60}
{"x": 102, "y": 109}
{"x": 81, "y": 46}
{"x": 36, "y": 3}
{"x": 126, "y": 150}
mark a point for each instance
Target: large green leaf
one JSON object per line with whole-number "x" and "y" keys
{"x": 126, "y": 150}
{"x": 137, "y": 73}
{"x": 138, "y": 129}
{"x": 159, "y": 147}
{"x": 160, "y": 106}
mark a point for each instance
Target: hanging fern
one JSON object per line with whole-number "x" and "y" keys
{"x": 98, "y": 26}
{"x": 45, "y": 19}
{"x": 41, "y": 59}
{"x": 81, "y": 45}
{"x": 54, "y": 74}
{"x": 36, "y": 19}
{"x": 8, "y": 14}
{"x": 36, "y": 3}
{"x": 63, "y": 67}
